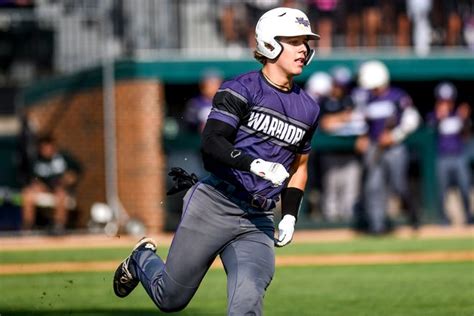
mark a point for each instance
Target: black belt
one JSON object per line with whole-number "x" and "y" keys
{"x": 239, "y": 195}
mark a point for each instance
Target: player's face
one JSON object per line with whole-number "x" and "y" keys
{"x": 47, "y": 150}
{"x": 210, "y": 86}
{"x": 294, "y": 54}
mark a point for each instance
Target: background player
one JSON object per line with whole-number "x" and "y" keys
{"x": 452, "y": 124}
{"x": 341, "y": 169}
{"x": 391, "y": 117}
{"x": 54, "y": 173}
{"x": 255, "y": 145}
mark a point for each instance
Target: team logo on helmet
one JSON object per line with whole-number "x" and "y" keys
{"x": 302, "y": 21}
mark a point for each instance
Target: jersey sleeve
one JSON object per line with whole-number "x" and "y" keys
{"x": 405, "y": 101}
{"x": 348, "y": 103}
{"x": 230, "y": 104}
{"x": 305, "y": 146}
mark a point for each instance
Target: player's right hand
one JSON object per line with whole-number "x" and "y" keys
{"x": 286, "y": 229}
{"x": 271, "y": 171}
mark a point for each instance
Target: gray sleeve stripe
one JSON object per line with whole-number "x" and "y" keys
{"x": 235, "y": 117}
{"x": 281, "y": 116}
{"x": 237, "y": 95}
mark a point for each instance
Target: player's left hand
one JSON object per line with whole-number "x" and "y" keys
{"x": 286, "y": 228}
{"x": 386, "y": 139}
{"x": 362, "y": 144}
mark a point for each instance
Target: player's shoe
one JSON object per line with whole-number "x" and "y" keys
{"x": 124, "y": 282}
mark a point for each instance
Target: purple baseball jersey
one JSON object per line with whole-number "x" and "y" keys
{"x": 449, "y": 133}
{"x": 383, "y": 112}
{"x": 270, "y": 124}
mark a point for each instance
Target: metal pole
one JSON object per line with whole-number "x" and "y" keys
{"x": 110, "y": 136}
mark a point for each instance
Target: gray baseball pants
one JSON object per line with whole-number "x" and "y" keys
{"x": 386, "y": 169}
{"x": 456, "y": 166}
{"x": 212, "y": 225}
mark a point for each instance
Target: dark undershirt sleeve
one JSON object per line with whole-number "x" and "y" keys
{"x": 217, "y": 140}
{"x": 232, "y": 103}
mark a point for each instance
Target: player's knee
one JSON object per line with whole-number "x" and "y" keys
{"x": 252, "y": 290}
{"x": 173, "y": 303}
{"x": 171, "y": 307}
{"x": 245, "y": 303}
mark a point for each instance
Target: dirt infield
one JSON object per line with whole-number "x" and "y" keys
{"x": 22, "y": 243}
{"x": 98, "y": 241}
{"x": 306, "y": 260}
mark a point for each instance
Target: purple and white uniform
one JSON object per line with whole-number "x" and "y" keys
{"x": 387, "y": 167}
{"x": 449, "y": 133}
{"x": 196, "y": 112}
{"x": 452, "y": 164}
{"x": 383, "y": 112}
{"x": 271, "y": 124}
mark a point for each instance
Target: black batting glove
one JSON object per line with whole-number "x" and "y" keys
{"x": 182, "y": 180}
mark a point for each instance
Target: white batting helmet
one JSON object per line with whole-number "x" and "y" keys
{"x": 373, "y": 74}
{"x": 319, "y": 84}
{"x": 445, "y": 91}
{"x": 282, "y": 22}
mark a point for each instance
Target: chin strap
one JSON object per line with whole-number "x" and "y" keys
{"x": 309, "y": 55}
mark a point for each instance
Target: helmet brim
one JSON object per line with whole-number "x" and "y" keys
{"x": 311, "y": 35}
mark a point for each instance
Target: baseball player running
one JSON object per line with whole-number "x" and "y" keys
{"x": 255, "y": 145}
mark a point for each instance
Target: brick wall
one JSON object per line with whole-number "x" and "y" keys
{"x": 140, "y": 160}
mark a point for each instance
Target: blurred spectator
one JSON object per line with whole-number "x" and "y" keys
{"x": 452, "y": 128}
{"x": 53, "y": 178}
{"x": 395, "y": 29}
{"x": 238, "y": 19}
{"x": 233, "y": 24}
{"x": 403, "y": 23}
{"x": 469, "y": 31}
{"x": 391, "y": 117}
{"x": 454, "y": 22}
{"x": 363, "y": 16}
{"x": 322, "y": 14}
{"x": 197, "y": 109}
{"x": 454, "y": 18}
{"x": 367, "y": 23}
{"x": 341, "y": 169}
{"x": 418, "y": 11}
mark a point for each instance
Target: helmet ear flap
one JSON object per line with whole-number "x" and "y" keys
{"x": 270, "y": 49}
{"x": 279, "y": 48}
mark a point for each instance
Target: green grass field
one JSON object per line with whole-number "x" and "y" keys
{"x": 388, "y": 289}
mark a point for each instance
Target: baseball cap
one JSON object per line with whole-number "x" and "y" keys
{"x": 445, "y": 91}
{"x": 211, "y": 73}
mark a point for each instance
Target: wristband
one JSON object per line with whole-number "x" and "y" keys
{"x": 291, "y": 201}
